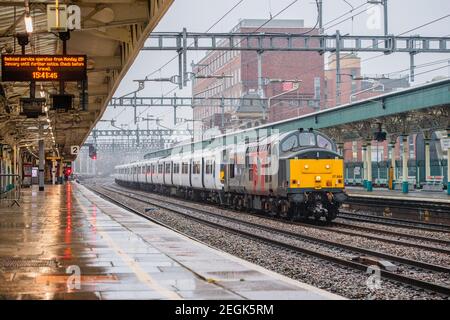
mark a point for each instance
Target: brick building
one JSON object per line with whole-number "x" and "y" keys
{"x": 240, "y": 69}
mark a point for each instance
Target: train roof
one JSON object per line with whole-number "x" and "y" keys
{"x": 205, "y": 144}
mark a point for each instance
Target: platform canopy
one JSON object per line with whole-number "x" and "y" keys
{"x": 110, "y": 34}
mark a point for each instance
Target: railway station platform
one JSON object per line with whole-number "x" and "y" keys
{"x": 384, "y": 193}
{"x": 68, "y": 243}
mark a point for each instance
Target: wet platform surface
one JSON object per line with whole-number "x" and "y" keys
{"x": 68, "y": 243}
{"x": 383, "y": 193}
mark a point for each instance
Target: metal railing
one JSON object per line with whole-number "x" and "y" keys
{"x": 10, "y": 189}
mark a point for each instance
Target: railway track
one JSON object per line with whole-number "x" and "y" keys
{"x": 422, "y": 239}
{"x": 363, "y": 230}
{"x": 401, "y": 204}
{"x": 394, "y": 222}
{"x": 278, "y": 238}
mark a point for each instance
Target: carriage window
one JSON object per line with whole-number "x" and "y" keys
{"x": 176, "y": 168}
{"x": 167, "y": 167}
{"x": 184, "y": 168}
{"x": 153, "y": 168}
{"x": 160, "y": 168}
{"x": 290, "y": 143}
{"x": 208, "y": 167}
{"x": 307, "y": 139}
{"x": 322, "y": 142}
{"x": 196, "y": 167}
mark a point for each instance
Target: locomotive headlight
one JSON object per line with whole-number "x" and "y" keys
{"x": 318, "y": 178}
{"x": 306, "y": 166}
{"x": 327, "y": 166}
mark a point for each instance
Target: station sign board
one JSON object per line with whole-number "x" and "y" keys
{"x": 43, "y": 67}
{"x": 445, "y": 143}
{"x": 74, "y": 150}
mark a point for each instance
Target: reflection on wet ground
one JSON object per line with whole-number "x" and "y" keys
{"x": 67, "y": 243}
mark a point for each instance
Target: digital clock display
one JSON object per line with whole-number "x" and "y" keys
{"x": 44, "y": 67}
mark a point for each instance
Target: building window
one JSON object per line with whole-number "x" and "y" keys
{"x": 377, "y": 153}
{"x": 316, "y": 88}
{"x": 355, "y": 150}
{"x": 412, "y": 151}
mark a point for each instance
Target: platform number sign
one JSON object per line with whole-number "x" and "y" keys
{"x": 75, "y": 150}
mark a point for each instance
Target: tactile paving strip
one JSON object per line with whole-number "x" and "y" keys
{"x": 10, "y": 262}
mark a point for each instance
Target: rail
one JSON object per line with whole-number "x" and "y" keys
{"x": 10, "y": 189}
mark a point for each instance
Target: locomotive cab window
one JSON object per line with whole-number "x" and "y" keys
{"x": 323, "y": 142}
{"x": 307, "y": 139}
{"x": 289, "y": 143}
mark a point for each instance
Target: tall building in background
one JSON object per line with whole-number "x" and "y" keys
{"x": 240, "y": 71}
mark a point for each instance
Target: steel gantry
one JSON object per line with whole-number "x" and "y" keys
{"x": 136, "y": 133}
{"x": 264, "y": 41}
{"x": 132, "y": 145}
{"x": 203, "y": 101}
{"x": 222, "y": 102}
{"x": 151, "y": 138}
{"x": 176, "y": 41}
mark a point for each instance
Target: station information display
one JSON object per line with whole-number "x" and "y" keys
{"x": 43, "y": 67}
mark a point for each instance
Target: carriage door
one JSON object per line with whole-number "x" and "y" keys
{"x": 190, "y": 172}
{"x": 203, "y": 172}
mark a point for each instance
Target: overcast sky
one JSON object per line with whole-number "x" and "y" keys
{"x": 200, "y": 15}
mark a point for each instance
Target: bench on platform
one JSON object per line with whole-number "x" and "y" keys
{"x": 434, "y": 183}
